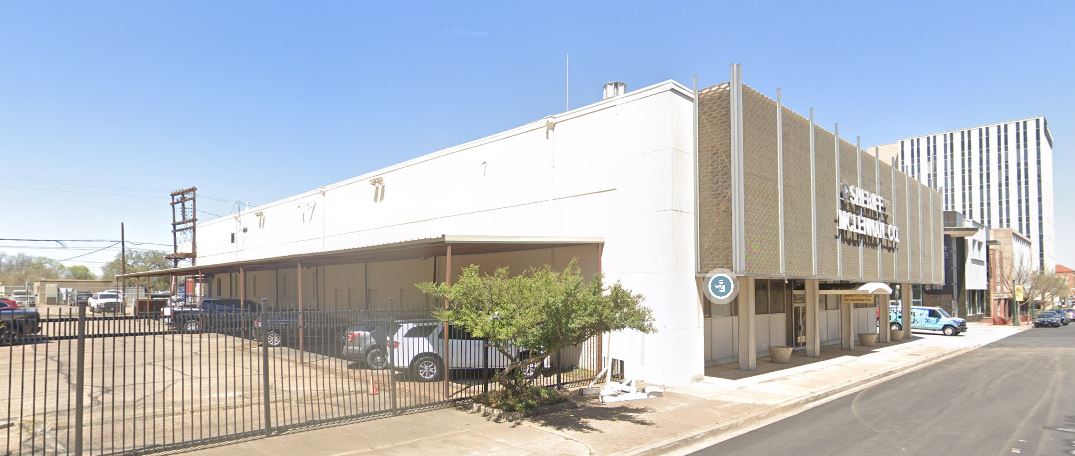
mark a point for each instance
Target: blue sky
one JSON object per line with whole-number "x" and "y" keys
{"x": 107, "y": 106}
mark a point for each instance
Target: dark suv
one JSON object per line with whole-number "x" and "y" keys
{"x": 225, "y": 315}
{"x": 318, "y": 328}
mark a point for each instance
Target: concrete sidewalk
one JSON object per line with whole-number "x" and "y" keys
{"x": 684, "y": 419}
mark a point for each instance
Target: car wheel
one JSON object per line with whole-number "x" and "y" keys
{"x": 895, "y": 327}
{"x": 192, "y": 326}
{"x": 950, "y": 331}
{"x": 426, "y": 368}
{"x": 376, "y": 358}
{"x": 274, "y": 339}
{"x": 7, "y": 336}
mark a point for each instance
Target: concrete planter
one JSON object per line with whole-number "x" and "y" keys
{"x": 897, "y": 335}
{"x": 779, "y": 354}
{"x": 868, "y": 339}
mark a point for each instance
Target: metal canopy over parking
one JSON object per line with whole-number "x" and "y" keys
{"x": 416, "y": 248}
{"x": 446, "y": 245}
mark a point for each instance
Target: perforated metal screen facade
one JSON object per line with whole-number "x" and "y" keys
{"x": 914, "y": 209}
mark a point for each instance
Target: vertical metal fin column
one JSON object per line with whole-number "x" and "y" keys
{"x": 780, "y": 178}
{"x": 877, "y": 185}
{"x": 896, "y": 247}
{"x": 921, "y": 262}
{"x": 858, "y": 182}
{"x": 907, "y": 218}
{"x": 836, "y": 153}
{"x": 813, "y": 199}
{"x": 932, "y": 253}
{"x": 697, "y": 176}
{"x": 738, "y": 193}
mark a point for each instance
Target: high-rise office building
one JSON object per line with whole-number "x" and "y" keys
{"x": 1000, "y": 175}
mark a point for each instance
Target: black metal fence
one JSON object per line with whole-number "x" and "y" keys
{"x": 131, "y": 384}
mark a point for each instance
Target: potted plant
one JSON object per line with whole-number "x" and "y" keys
{"x": 896, "y": 335}
{"x": 780, "y": 354}
{"x": 868, "y": 339}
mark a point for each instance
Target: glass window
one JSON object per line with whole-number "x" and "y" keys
{"x": 420, "y": 331}
{"x": 458, "y": 333}
{"x": 832, "y": 302}
{"x": 778, "y": 295}
{"x": 761, "y": 297}
{"x": 934, "y": 314}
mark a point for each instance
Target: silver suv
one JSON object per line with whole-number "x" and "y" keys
{"x": 418, "y": 346}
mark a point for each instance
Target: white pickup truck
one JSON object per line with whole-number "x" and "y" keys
{"x": 23, "y": 298}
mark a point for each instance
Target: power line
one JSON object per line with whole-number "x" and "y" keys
{"x": 37, "y": 247}
{"x": 90, "y": 253}
{"x": 82, "y": 192}
{"x": 83, "y": 240}
{"x": 126, "y": 191}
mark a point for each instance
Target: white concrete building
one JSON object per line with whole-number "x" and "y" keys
{"x": 999, "y": 175}
{"x": 653, "y": 188}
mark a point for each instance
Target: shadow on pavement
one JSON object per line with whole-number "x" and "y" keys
{"x": 731, "y": 371}
{"x": 582, "y": 419}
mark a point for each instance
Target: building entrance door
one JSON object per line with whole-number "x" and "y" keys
{"x": 798, "y": 321}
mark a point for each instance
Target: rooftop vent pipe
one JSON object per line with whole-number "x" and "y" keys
{"x": 614, "y": 89}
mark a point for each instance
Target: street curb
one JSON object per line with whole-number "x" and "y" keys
{"x": 722, "y": 430}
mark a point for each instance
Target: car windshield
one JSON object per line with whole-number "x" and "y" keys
{"x": 1047, "y": 313}
{"x": 944, "y": 314}
{"x": 106, "y": 296}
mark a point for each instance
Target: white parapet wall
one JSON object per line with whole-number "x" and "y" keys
{"x": 620, "y": 170}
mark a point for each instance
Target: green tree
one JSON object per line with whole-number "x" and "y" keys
{"x": 20, "y": 269}
{"x": 140, "y": 261}
{"x": 539, "y": 311}
{"x": 79, "y": 272}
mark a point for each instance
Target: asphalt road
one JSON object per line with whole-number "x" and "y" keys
{"x": 1015, "y": 396}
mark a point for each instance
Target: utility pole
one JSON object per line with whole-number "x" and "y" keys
{"x": 567, "y": 82}
{"x": 123, "y": 266}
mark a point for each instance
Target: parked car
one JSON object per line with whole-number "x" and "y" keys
{"x": 366, "y": 343}
{"x": 418, "y": 347}
{"x": 1064, "y": 320}
{"x": 1048, "y": 319}
{"x": 928, "y": 319}
{"x": 1069, "y": 313}
{"x": 16, "y": 322}
{"x": 82, "y": 298}
{"x": 319, "y": 327}
{"x": 226, "y": 315}
{"x": 106, "y": 301}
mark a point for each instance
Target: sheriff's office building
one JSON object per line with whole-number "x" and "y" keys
{"x": 654, "y": 188}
